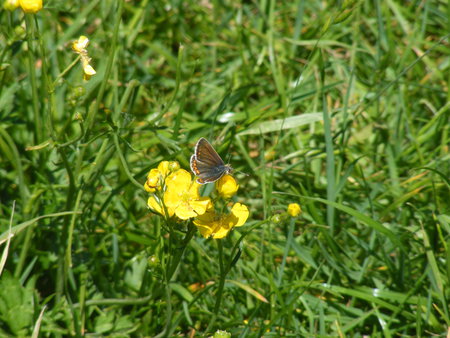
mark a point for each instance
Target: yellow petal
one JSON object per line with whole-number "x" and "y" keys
{"x": 221, "y": 232}
{"x": 172, "y": 197}
{"x": 153, "y": 178}
{"x": 89, "y": 70}
{"x": 240, "y": 212}
{"x": 226, "y": 186}
{"x": 205, "y": 231}
{"x": 163, "y": 168}
{"x": 79, "y": 46}
{"x": 148, "y": 188}
{"x": 180, "y": 180}
{"x": 157, "y": 206}
{"x": 31, "y": 6}
{"x": 194, "y": 190}
{"x": 200, "y": 205}
{"x": 185, "y": 211}
{"x": 207, "y": 218}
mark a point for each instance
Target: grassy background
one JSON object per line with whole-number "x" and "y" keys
{"x": 340, "y": 107}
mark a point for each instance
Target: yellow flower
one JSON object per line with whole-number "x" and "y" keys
{"x": 182, "y": 196}
{"x": 156, "y": 177}
{"x": 10, "y": 5}
{"x": 87, "y": 68}
{"x": 31, "y": 6}
{"x": 294, "y": 209}
{"x": 218, "y": 226}
{"x": 80, "y": 47}
{"x": 226, "y": 186}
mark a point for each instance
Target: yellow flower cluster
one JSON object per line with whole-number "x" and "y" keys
{"x": 174, "y": 193}
{"x": 80, "y": 47}
{"x": 28, "y": 6}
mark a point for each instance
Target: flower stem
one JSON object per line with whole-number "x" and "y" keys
{"x": 220, "y": 289}
{"x": 286, "y": 250}
{"x": 172, "y": 266}
{"x": 176, "y": 258}
{"x": 33, "y": 81}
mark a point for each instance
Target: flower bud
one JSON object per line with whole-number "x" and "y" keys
{"x": 10, "y": 5}
{"x": 294, "y": 209}
{"x": 226, "y": 186}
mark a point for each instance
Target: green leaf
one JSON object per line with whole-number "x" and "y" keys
{"x": 283, "y": 124}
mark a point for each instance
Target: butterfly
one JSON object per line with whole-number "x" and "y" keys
{"x": 206, "y": 163}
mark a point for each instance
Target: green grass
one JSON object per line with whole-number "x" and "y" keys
{"x": 340, "y": 107}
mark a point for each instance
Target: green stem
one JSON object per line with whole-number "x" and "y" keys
{"x": 176, "y": 258}
{"x": 172, "y": 266}
{"x": 33, "y": 81}
{"x": 65, "y": 71}
{"x": 124, "y": 162}
{"x": 220, "y": 289}
{"x": 286, "y": 249}
{"x": 90, "y": 120}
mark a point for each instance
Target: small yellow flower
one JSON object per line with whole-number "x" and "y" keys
{"x": 31, "y": 6}
{"x": 218, "y": 226}
{"x": 226, "y": 186}
{"x": 80, "y": 47}
{"x": 87, "y": 68}
{"x": 10, "y": 5}
{"x": 182, "y": 196}
{"x": 294, "y": 209}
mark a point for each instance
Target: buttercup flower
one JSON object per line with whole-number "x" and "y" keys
{"x": 31, "y": 6}
{"x": 218, "y": 226}
{"x": 10, "y": 5}
{"x": 156, "y": 177}
{"x": 226, "y": 186}
{"x": 80, "y": 47}
{"x": 182, "y": 196}
{"x": 294, "y": 209}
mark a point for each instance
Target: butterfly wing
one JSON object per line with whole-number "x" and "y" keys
{"x": 205, "y": 153}
{"x": 206, "y": 163}
{"x": 206, "y": 173}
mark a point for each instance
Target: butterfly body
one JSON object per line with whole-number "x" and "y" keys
{"x": 206, "y": 163}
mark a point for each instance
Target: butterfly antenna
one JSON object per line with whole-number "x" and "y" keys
{"x": 241, "y": 172}
{"x": 228, "y": 158}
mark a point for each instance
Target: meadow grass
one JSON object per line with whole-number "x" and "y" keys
{"x": 339, "y": 106}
